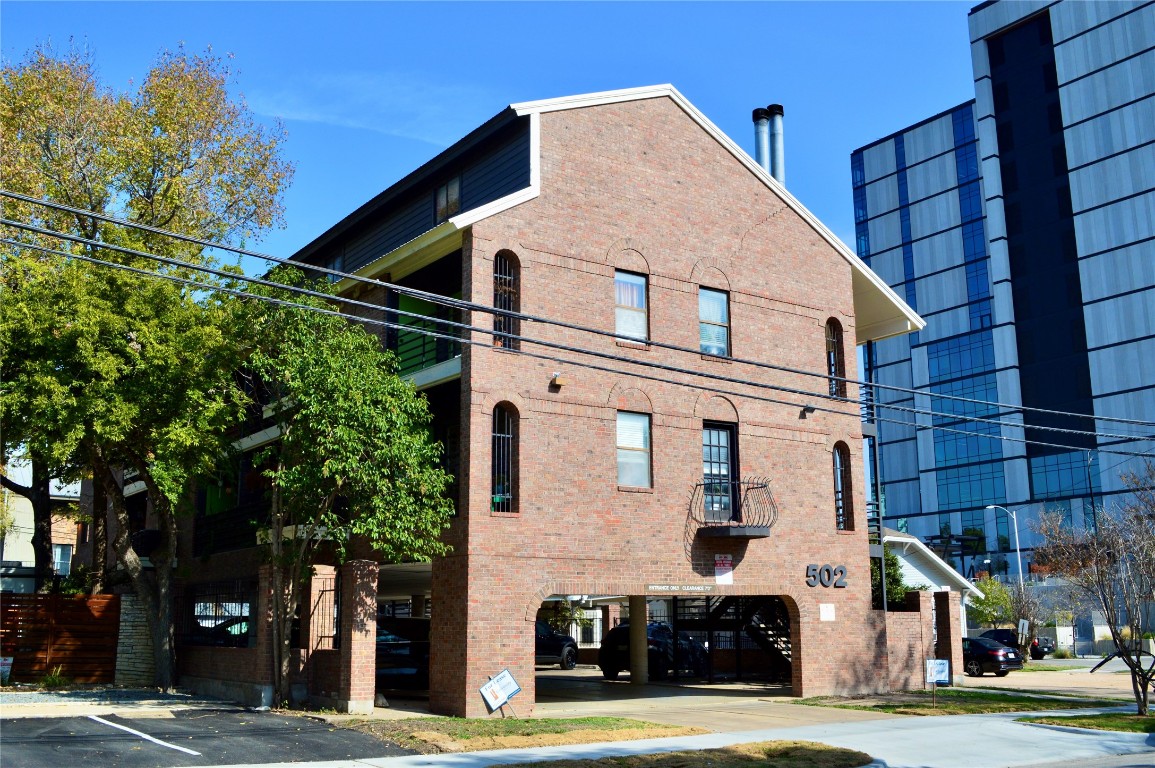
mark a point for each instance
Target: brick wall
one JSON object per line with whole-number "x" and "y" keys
{"x": 657, "y": 196}
{"x": 910, "y": 642}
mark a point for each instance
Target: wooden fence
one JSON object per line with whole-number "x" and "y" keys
{"x": 75, "y": 634}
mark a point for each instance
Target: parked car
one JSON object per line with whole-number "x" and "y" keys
{"x": 553, "y": 647}
{"x": 230, "y": 633}
{"x": 982, "y": 654}
{"x": 691, "y": 655}
{"x": 402, "y": 654}
{"x": 1041, "y": 646}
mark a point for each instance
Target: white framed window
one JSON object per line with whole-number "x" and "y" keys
{"x": 62, "y": 558}
{"x": 634, "y": 449}
{"x": 631, "y": 316}
{"x": 714, "y": 322}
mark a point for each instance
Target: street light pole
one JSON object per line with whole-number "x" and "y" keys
{"x": 1015, "y": 520}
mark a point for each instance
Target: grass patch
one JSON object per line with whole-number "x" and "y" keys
{"x": 1111, "y": 721}
{"x": 1034, "y": 666}
{"x": 766, "y": 754}
{"x": 452, "y": 734}
{"x": 954, "y": 701}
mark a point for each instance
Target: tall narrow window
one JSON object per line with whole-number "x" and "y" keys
{"x": 631, "y": 317}
{"x": 719, "y": 472}
{"x": 447, "y": 200}
{"x": 506, "y": 298}
{"x": 62, "y": 559}
{"x": 835, "y": 364}
{"x": 843, "y": 489}
{"x": 634, "y": 449}
{"x": 714, "y": 322}
{"x": 504, "y": 460}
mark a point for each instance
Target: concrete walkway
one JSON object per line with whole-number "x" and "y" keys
{"x": 968, "y": 741}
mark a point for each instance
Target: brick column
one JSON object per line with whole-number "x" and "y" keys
{"x": 948, "y": 626}
{"x": 358, "y": 676}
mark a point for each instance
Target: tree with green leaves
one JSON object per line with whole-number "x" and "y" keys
{"x": 105, "y": 371}
{"x": 995, "y": 607}
{"x": 896, "y": 586}
{"x": 354, "y": 462}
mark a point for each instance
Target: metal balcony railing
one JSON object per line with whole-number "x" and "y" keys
{"x": 417, "y": 351}
{"x": 873, "y": 523}
{"x": 734, "y": 508}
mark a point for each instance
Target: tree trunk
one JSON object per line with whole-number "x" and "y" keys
{"x": 41, "y": 498}
{"x": 153, "y": 590}
{"x": 99, "y": 535}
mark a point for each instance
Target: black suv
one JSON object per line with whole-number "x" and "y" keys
{"x": 553, "y": 647}
{"x": 1040, "y": 646}
{"x": 692, "y": 656}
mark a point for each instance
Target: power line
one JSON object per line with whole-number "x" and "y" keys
{"x": 555, "y": 345}
{"x": 472, "y": 306}
{"x": 551, "y": 358}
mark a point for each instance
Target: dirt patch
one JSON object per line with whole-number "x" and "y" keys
{"x": 444, "y": 743}
{"x": 443, "y": 736}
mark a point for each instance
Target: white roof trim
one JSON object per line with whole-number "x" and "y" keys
{"x": 879, "y": 310}
{"x": 954, "y": 576}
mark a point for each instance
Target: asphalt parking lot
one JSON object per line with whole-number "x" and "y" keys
{"x": 180, "y": 738}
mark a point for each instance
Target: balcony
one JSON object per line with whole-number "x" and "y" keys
{"x": 738, "y": 509}
{"x": 424, "y": 358}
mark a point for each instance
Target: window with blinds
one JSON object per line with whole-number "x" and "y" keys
{"x": 634, "y": 449}
{"x": 714, "y": 322}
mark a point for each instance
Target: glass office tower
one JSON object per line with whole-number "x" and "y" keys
{"x": 1021, "y": 225}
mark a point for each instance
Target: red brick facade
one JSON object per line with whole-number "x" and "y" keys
{"x": 639, "y": 186}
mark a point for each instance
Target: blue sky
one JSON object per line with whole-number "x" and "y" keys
{"x": 368, "y": 91}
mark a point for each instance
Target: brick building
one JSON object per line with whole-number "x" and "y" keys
{"x": 643, "y": 471}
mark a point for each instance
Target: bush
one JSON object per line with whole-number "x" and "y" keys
{"x": 1062, "y": 653}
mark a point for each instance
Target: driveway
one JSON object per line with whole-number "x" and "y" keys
{"x": 189, "y": 737}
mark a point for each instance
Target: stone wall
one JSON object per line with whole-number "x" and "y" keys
{"x": 134, "y": 658}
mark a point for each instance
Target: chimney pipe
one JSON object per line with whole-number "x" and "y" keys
{"x": 762, "y": 137}
{"x": 777, "y": 151}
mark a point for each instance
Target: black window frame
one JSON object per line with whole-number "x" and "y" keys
{"x": 716, "y": 502}
{"x": 504, "y": 480}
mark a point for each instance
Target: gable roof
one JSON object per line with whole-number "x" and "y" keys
{"x": 879, "y": 312}
{"x": 910, "y": 545}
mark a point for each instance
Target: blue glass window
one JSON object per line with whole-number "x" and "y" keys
{"x": 960, "y": 356}
{"x": 970, "y": 201}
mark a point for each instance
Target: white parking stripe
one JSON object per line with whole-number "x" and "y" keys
{"x": 144, "y": 736}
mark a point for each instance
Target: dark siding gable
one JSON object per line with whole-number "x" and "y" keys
{"x": 498, "y": 168}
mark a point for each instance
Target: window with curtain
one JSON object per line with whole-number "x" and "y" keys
{"x": 631, "y": 317}
{"x": 714, "y": 322}
{"x": 503, "y": 486}
{"x": 506, "y": 296}
{"x": 634, "y": 449}
{"x": 835, "y": 365}
{"x": 843, "y": 489}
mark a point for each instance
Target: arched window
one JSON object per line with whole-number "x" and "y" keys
{"x": 507, "y": 297}
{"x": 503, "y": 485}
{"x": 835, "y": 364}
{"x": 843, "y": 489}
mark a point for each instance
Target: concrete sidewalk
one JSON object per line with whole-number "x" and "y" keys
{"x": 967, "y": 741}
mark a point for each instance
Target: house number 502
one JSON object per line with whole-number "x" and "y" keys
{"x": 826, "y": 575}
